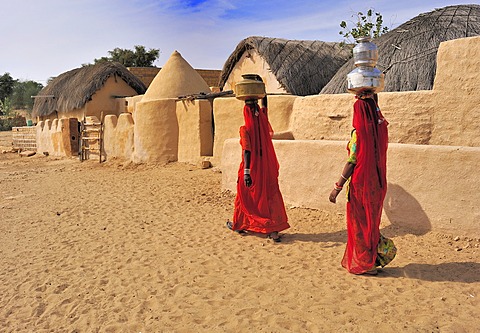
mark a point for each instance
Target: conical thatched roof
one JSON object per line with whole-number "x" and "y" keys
{"x": 73, "y": 89}
{"x": 302, "y": 67}
{"x": 176, "y": 78}
{"x": 408, "y": 53}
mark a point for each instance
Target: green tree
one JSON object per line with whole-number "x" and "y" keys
{"x": 368, "y": 24}
{"x": 6, "y": 106}
{"x": 23, "y": 92}
{"x": 6, "y": 86}
{"x": 139, "y": 57}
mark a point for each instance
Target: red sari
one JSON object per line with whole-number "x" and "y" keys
{"x": 259, "y": 208}
{"x": 367, "y": 189}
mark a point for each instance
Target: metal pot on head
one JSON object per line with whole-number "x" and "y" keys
{"x": 365, "y": 75}
{"x": 250, "y": 88}
{"x": 362, "y": 78}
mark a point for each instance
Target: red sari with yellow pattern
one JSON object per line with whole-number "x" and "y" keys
{"x": 367, "y": 188}
{"x": 259, "y": 208}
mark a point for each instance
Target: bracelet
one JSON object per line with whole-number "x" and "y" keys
{"x": 338, "y": 187}
{"x": 345, "y": 178}
{"x": 246, "y": 171}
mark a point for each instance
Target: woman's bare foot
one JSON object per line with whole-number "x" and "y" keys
{"x": 275, "y": 237}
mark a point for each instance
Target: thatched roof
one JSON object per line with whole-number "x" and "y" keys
{"x": 73, "y": 89}
{"x": 302, "y": 67}
{"x": 408, "y": 53}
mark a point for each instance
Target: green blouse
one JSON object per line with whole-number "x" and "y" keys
{"x": 352, "y": 148}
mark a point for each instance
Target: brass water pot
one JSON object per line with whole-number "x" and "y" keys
{"x": 251, "y": 87}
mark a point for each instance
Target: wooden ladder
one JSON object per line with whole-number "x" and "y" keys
{"x": 91, "y": 138}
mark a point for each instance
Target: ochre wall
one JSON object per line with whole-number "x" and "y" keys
{"x": 163, "y": 131}
{"x": 155, "y": 132}
{"x": 104, "y": 99}
{"x": 54, "y": 137}
{"x": 228, "y": 117}
{"x": 329, "y": 117}
{"x": 118, "y": 136}
{"x": 132, "y": 102}
{"x": 195, "y": 139}
{"x": 458, "y": 88}
{"x": 252, "y": 62}
{"x": 434, "y": 147}
{"x": 422, "y": 195}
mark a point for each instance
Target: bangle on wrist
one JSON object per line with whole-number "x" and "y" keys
{"x": 246, "y": 171}
{"x": 344, "y": 178}
{"x": 338, "y": 187}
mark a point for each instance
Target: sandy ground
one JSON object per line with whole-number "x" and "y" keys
{"x": 112, "y": 247}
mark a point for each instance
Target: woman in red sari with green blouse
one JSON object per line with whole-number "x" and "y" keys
{"x": 365, "y": 172}
{"x": 259, "y": 206}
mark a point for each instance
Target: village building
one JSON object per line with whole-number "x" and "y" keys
{"x": 87, "y": 91}
{"x": 159, "y": 118}
{"x": 433, "y": 114}
{"x": 297, "y": 67}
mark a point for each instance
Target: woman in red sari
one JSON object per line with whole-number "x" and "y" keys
{"x": 366, "y": 172}
{"x": 259, "y": 204}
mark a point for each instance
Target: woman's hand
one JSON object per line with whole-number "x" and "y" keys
{"x": 333, "y": 196}
{"x": 247, "y": 180}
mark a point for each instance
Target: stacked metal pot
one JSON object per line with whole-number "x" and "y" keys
{"x": 365, "y": 75}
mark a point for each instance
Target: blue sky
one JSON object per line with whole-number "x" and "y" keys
{"x": 42, "y": 39}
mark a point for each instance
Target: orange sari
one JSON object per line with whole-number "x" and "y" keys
{"x": 259, "y": 208}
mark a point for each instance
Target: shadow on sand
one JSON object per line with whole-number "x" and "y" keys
{"x": 339, "y": 237}
{"x": 404, "y": 213}
{"x": 465, "y": 272}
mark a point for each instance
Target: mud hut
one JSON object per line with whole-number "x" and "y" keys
{"x": 298, "y": 67}
{"x": 162, "y": 131}
{"x": 87, "y": 91}
{"x": 407, "y": 54}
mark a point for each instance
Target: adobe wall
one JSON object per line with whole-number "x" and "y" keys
{"x": 195, "y": 125}
{"x": 161, "y": 131}
{"x": 155, "y": 132}
{"x": 458, "y": 88}
{"x": 109, "y": 99}
{"x": 132, "y": 102}
{"x": 228, "y": 117}
{"x": 434, "y": 147}
{"x": 422, "y": 195}
{"x": 58, "y": 137}
{"x": 211, "y": 76}
{"x": 447, "y": 115}
{"x": 118, "y": 141}
{"x": 329, "y": 117}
